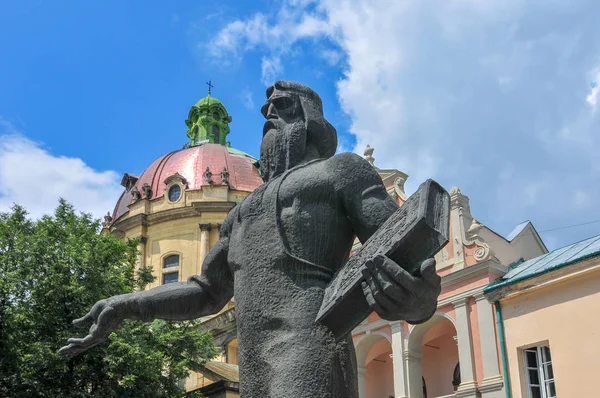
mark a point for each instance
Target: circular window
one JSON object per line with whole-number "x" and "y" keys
{"x": 174, "y": 193}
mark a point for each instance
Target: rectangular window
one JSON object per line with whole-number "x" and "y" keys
{"x": 170, "y": 277}
{"x": 539, "y": 373}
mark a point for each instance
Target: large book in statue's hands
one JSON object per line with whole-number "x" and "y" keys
{"x": 412, "y": 234}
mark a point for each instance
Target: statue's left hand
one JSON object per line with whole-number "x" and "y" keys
{"x": 395, "y": 294}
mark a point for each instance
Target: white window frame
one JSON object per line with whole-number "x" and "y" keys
{"x": 542, "y": 370}
{"x": 172, "y": 269}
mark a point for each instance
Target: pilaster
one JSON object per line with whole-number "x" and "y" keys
{"x": 492, "y": 385}
{"x": 400, "y": 390}
{"x": 204, "y": 243}
{"x": 362, "y": 388}
{"x": 467, "y": 386}
{"x": 412, "y": 364}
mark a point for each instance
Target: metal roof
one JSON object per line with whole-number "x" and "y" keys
{"x": 548, "y": 262}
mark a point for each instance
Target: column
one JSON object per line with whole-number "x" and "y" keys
{"x": 412, "y": 364}
{"x": 204, "y": 244}
{"x": 397, "y": 360}
{"x": 465, "y": 353}
{"x": 142, "y": 252}
{"x": 362, "y": 388}
{"x": 492, "y": 384}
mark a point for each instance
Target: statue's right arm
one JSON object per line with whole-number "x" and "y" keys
{"x": 201, "y": 295}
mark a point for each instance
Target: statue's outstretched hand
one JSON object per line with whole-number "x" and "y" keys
{"x": 102, "y": 320}
{"x": 395, "y": 294}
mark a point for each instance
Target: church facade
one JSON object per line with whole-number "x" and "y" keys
{"x": 176, "y": 207}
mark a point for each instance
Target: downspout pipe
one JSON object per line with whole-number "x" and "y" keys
{"x": 503, "y": 353}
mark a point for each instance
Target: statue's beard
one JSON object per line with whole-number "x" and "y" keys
{"x": 283, "y": 147}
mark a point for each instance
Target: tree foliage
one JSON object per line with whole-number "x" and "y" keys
{"x": 52, "y": 271}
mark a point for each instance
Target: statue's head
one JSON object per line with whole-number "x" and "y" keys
{"x": 295, "y": 128}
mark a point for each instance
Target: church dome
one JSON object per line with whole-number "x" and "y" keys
{"x": 191, "y": 163}
{"x": 207, "y": 159}
{"x": 208, "y": 101}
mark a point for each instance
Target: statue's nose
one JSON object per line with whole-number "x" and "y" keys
{"x": 271, "y": 112}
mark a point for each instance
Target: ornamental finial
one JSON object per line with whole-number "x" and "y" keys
{"x": 369, "y": 155}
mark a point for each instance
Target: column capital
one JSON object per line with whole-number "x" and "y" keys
{"x": 460, "y": 302}
{"x": 205, "y": 227}
{"x": 479, "y": 296}
{"x": 396, "y": 326}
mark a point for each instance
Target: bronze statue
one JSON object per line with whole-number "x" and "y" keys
{"x": 278, "y": 251}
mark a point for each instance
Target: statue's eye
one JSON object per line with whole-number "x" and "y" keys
{"x": 283, "y": 103}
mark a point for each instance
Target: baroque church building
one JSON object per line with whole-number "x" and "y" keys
{"x": 176, "y": 207}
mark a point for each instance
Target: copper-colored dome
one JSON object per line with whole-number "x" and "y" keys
{"x": 190, "y": 164}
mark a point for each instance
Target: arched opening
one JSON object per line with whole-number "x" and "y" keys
{"x": 433, "y": 355}
{"x": 374, "y": 360}
{"x": 216, "y": 134}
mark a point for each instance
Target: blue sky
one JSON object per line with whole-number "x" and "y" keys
{"x": 494, "y": 97}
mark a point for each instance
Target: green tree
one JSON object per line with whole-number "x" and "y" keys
{"x": 52, "y": 271}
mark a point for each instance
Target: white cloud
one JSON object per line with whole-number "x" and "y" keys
{"x": 246, "y": 98}
{"x": 34, "y": 178}
{"x": 592, "y": 97}
{"x": 332, "y": 57}
{"x": 271, "y": 67}
{"x": 294, "y": 23}
{"x": 457, "y": 90}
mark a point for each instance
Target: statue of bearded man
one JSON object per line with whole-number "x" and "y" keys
{"x": 278, "y": 251}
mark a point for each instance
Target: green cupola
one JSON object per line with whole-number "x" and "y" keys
{"x": 208, "y": 121}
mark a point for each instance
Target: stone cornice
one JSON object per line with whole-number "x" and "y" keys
{"x": 457, "y": 298}
{"x": 213, "y": 206}
{"x": 196, "y": 209}
{"x": 371, "y": 326}
{"x": 488, "y": 266}
{"x": 545, "y": 280}
{"x": 225, "y": 318}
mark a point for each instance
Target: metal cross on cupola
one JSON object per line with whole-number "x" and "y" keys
{"x": 210, "y": 86}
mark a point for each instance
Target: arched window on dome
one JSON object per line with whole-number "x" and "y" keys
{"x": 216, "y": 133}
{"x": 196, "y": 134}
{"x": 170, "y": 269}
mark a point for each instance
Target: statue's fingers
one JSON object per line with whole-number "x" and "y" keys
{"x": 370, "y": 299}
{"x": 398, "y": 274}
{"x": 82, "y": 341}
{"x": 382, "y": 299}
{"x": 388, "y": 283}
{"x": 77, "y": 346}
{"x": 70, "y": 351}
{"x": 428, "y": 271}
{"x": 85, "y": 321}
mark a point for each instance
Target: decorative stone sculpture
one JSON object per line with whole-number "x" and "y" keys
{"x": 283, "y": 245}
{"x": 207, "y": 176}
{"x": 369, "y": 155}
{"x": 107, "y": 220}
{"x": 225, "y": 176}
{"x": 135, "y": 195}
{"x": 147, "y": 191}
